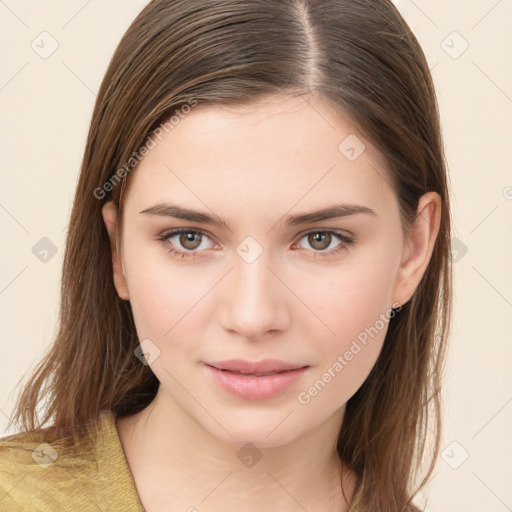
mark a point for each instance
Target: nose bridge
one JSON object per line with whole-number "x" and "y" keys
{"x": 255, "y": 304}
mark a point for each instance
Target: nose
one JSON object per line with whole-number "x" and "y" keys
{"x": 255, "y": 301}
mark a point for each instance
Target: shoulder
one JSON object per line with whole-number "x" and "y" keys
{"x": 27, "y": 469}
{"x": 39, "y": 471}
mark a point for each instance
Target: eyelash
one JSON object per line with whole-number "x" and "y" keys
{"x": 346, "y": 242}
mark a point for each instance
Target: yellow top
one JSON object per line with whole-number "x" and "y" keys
{"x": 43, "y": 474}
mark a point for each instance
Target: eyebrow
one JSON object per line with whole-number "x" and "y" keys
{"x": 330, "y": 212}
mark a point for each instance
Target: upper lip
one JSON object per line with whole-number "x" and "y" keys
{"x": 263, "y": 366}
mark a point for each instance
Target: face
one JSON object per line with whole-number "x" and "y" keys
{"x": 223, "y": 260}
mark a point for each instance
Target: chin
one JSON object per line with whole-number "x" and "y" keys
{"x": 263, "y": 430}
{"x": 254, "y": 436}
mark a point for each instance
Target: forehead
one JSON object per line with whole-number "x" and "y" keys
{"x": 277, "y": 151}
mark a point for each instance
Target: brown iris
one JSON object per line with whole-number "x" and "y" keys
{"x": 190, "y": 240}
{"x": 319, "y": 240}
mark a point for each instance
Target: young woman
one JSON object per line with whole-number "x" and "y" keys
{"x": 256, "y": 290}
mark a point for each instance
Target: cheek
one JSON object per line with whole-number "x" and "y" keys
{"x": 354, "y": 305}
{"x": 168, "y": 301}
{"x": 352, "y": 296}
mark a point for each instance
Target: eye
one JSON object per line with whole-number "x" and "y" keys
{"x": 189, "y": 243}
{"x": 184, "y": 243}
{"x": 320, "y": 240}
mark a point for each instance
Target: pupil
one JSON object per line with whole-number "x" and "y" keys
{"x": 319, "y": 238}
{"x": 190, "y": 238}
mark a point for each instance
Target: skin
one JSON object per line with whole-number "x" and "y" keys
{"x": 252, "y": 167}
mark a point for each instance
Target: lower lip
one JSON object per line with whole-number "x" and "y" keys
{"x": 251, "y": 387}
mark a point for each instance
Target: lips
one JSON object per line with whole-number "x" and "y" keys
{"x": 255, "y": 380}
{"x": 258, "y": 368}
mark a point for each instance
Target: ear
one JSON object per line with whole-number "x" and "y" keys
{"x": 418, "y": 247}
{"x": 109, "y": 212}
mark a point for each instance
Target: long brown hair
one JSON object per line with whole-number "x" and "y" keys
{"x": 362, "y": 58}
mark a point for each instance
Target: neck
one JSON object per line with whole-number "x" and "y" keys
{"x": 178, "y": 465}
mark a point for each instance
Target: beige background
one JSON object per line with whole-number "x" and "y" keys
{"x": 46, "y": 105}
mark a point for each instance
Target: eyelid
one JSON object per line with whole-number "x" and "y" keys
{"x": 177, "y": 231}
{"x": 346, "y": 240}
{"x": 339, "y": 232}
